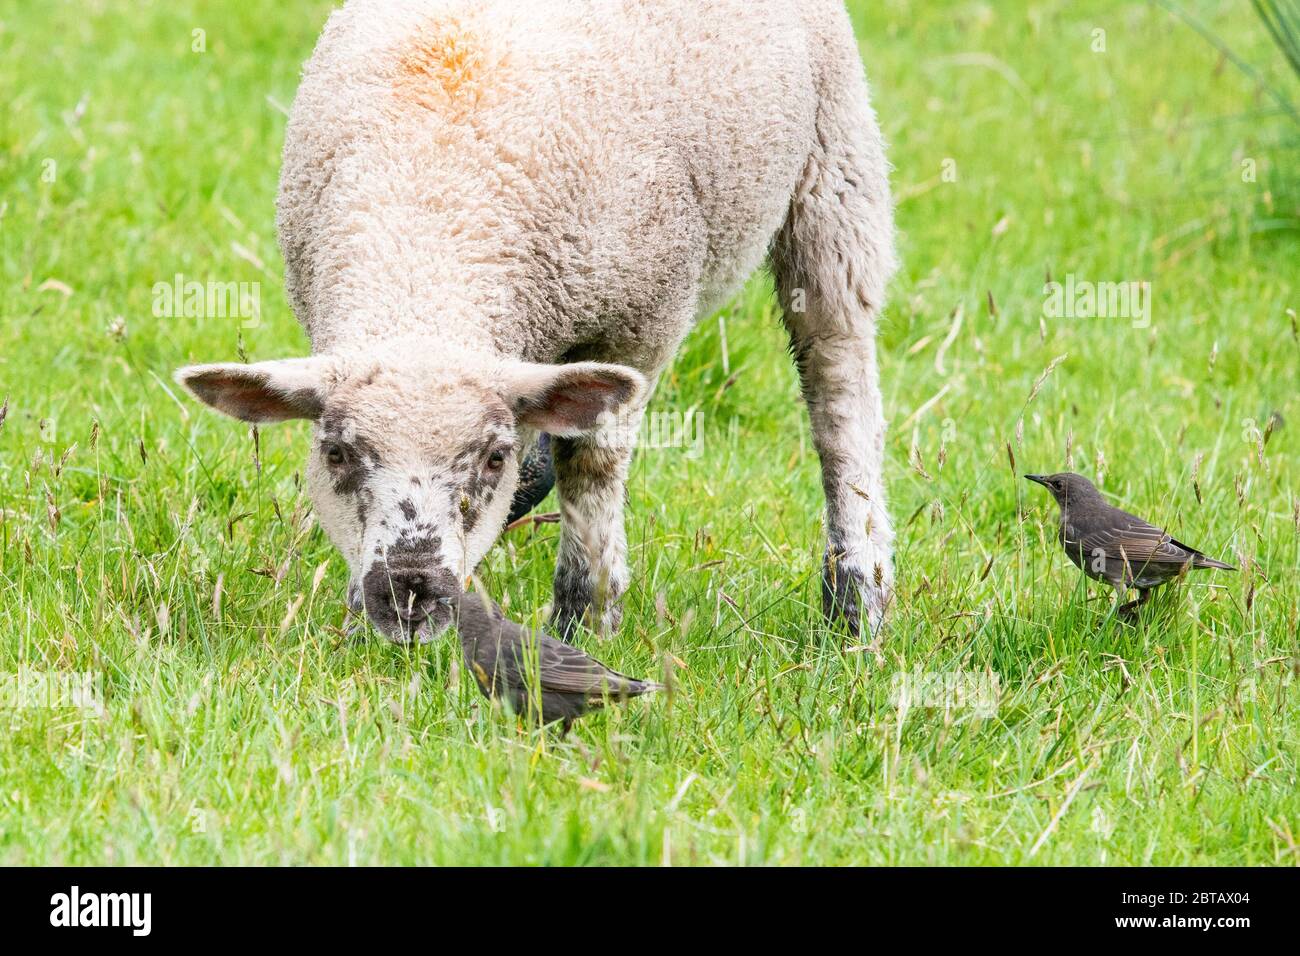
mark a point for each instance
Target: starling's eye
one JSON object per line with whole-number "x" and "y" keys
{"x": 335, "y": 455}
{"x": 496, "y": 460}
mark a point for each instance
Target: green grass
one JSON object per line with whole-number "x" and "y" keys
{"x": 254, "y": 732}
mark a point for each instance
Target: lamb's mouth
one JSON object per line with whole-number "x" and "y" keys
{"x": 416, "y": 625}
{"x": 420, "y": 627}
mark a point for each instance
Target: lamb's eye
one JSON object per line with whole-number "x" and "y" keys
{"x": 496, "y": 460}
{"x": 335, "y": 455}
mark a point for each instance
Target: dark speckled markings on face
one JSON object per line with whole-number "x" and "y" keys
{"x": 421, "y": 508}
{"x": 477, "y": 470}
{"x": 358, "y": 458}
{"x": 476, "y": 481}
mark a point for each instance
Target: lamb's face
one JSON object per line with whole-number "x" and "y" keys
{"x": 413, "y": 465}
{"x": 413, "y": 489}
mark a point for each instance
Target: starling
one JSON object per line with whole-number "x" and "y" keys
{"x": 510, "y": 662}
{"x": 1114, "y": 546}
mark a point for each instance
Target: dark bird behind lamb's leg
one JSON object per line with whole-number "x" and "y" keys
{"x": 536, "y": 479}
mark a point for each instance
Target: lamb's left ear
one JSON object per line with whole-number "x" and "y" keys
{"x": 567, "y": 400}
{"x": 262, "y": 392}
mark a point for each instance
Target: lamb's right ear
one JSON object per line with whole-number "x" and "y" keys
{"x": 263, "y": 392}
{"x": 567, "y": 400}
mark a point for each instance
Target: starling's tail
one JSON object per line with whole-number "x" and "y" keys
{"x": 625, "y": 688}
{"x": 631, "y": 687}
{"x": 1203, "y": 562}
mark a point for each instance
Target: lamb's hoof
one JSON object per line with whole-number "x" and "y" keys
{"x": 567, "y": 620}
{"x": 849, "y": 596}
{"x": 579, "y": 601}
{"x": 563, "y": 624}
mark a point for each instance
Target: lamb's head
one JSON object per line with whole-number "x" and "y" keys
{"x": 413, "y": 464}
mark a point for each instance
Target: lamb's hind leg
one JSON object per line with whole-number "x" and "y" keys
{"x": 832, "y": 260}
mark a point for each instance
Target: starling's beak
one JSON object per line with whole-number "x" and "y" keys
{"x": 1038, "y": 478}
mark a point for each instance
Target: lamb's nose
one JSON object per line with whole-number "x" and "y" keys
{"x": 403, "y": 596}
{"x": 408, "y": 592}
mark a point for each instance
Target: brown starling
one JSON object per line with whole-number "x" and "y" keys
{"x": 1114, "y": 546}
{"x": 529, "y": 669}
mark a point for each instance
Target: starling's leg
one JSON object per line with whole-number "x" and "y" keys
{"x": 1128, "y": 611}
{"x": 832, "y": 259}
{"x": 591, "y": 568}
{"x": 1121, "y": 608}
{"x": 1121, "y": 594}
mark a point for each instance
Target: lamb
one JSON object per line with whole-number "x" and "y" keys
{"x": 499, "y": 220}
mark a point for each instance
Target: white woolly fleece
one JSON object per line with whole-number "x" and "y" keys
{"x": 553, "y": 178}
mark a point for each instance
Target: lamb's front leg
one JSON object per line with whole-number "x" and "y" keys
{"x": 591, "y": 569}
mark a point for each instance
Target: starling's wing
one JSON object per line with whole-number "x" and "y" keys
{"x": 1202, "y": 560}
{"x": 566, "y": 669}
{"x": 1125, "y": 537}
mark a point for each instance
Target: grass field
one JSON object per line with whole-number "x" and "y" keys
{"x": 157, "y": 548}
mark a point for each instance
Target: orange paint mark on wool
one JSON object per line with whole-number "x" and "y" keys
{"x": 444, "y": 68}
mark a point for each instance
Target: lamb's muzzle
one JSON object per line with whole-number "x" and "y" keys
{"x": 409, "y": 602}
